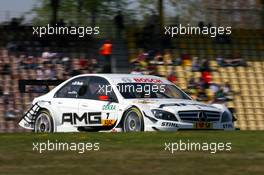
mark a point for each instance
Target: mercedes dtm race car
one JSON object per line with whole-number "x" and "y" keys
{"x": 121, "y": 102}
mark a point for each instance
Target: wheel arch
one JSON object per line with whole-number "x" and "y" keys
{"x": 119, "y": 125}
{"x": 51, "y": 116}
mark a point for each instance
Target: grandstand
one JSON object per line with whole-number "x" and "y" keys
{"x": 247, "y": 82}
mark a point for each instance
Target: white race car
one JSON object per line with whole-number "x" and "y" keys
{"x": 121, "y": 102}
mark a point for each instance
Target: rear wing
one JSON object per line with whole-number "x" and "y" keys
{"x": 43, "y": 84}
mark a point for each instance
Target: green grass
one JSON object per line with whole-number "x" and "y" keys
{"x": 133, "y": 153}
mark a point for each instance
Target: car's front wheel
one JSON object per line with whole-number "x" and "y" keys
{"x": 44, "y": 122}
{"x": 133, "y": 120}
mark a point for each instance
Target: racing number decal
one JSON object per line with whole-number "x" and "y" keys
{"x": 108, "y": 122}
{"x": 107, "y": 114}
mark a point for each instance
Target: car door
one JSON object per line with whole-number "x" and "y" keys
{"x": 66, "y": 101}
{"x": 99, "y": 102}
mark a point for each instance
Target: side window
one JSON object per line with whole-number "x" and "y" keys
{"x": 98, "y": 88}
{"x": 71, "y": 89}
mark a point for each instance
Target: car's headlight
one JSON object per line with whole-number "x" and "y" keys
{"x": 164, "y": 115}
{"x": 226, "y": 117}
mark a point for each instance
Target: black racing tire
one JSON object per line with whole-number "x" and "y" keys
{"x": 43, "y": 122}
{"x": 133, "y": 120}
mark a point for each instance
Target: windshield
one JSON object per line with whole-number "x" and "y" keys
{"x": 150, "y": 90}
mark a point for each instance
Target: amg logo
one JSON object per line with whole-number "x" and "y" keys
{"x": 169, "y": 124}
{"x": 87, "y": 118}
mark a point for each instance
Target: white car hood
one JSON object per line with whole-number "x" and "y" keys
{"x": 174, "y": 104}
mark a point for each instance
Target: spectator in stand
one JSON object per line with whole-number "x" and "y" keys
{"x": 83, "y": 63}
{"x": 137, "y": 71}
{"x": 93, "y": 66}
{"x": 220, "y": 96}
{"x": 201, "y": 94}
{"x": 195, "y": 64}
{"x": 206, "y": 79}
{"x": 154, "y": 71}
{"x": 66, "y": 64}
{"x": 141, "y": 56}
{"x": 158, "y": 59}
{"x": 214, "y": 87}
{"x": 201, "y": 83}
{"x": 186, "y": 59}
{"x": 76, "y": 67}
{"x": 238, "y": 60}
{"x": 176, "y": 59}
{"x": 167, "y": 57}
{"x": 192, "y": 83}
{"x": 141, "y": 59}
{"x": 9, "y": 113}
{"x": 228, "y": 91}
{"x": 172, "y": 77}
{"x": 22, "y": 62}
{"x": 205, "y": 66}
{"x": 220, "y": 61}
{"x": 30, "y": 63}
{"x": 8, "y": 110}
{"x": 192, "y": 87}
{"x": 6, "y": 68}
{"x": 232, "y": 60}
{"x": 46, "y": 55}
{"x": 106, "y": 51}
{"x": 49, "y": 71}
{"x": 40, "y": 73}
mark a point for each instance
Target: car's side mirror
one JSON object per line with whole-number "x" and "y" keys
{"x": 82, "y": 90}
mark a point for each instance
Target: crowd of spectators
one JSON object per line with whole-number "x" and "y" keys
{"x": 48, "y": 65}
{"x": 201, "y": 88}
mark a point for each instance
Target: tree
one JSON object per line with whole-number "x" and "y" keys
{"x": 186, "y": 10}
{"x": 79, "y": 11}
{"x": 54, "y": 6}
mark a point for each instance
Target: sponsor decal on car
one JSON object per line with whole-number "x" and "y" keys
{"x": 203, "y": 125}
{"x": 86, "y": 118}
{"x": 77, "y": 83}
{"x": 169, "y": 124}
{"x": 109, "y": 107}
{"x": 108, "y": 122}
{"x": 147, "y": 80}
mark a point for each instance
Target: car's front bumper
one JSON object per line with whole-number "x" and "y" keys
{"x": 175, "y": 126}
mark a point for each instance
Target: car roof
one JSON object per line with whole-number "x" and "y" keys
{"x": 131, "y": 78}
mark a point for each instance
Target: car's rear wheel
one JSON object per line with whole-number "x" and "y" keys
{"x": 44, "y": 122}
{"x": 133, "y": 120}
